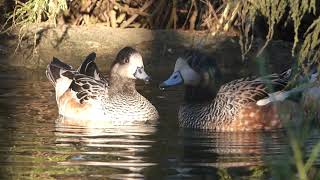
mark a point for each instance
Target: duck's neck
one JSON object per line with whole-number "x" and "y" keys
{"x": 121, "y": 85}
{"x": 199, "y": 94}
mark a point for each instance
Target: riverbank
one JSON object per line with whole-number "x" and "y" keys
{"x": 71, "y": 44}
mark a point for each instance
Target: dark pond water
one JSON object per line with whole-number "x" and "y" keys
{"x": 33, "y": 146}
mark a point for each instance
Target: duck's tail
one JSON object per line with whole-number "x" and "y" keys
{"x": 54, "y": 70}
{"x": 306, "y": 80}
{"x": 313, "y": 73}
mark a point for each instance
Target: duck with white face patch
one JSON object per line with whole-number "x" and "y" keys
{"x": 234, "y": 107}
{"x": 86, "y": 98}
{"x": 129, "y": 64}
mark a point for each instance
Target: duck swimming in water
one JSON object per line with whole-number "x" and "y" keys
{"x": 86, "y": 98}
{"x": 235, "y": 107}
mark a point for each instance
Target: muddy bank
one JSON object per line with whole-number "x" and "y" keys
{"x": 72, "y": 43}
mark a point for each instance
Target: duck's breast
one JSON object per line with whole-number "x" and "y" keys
{"x": 128, "y": 108}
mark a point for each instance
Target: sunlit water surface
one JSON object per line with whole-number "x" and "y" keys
{"x": 33, "y": 146}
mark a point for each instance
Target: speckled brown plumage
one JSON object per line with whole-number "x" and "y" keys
{"x": 234, "y": 107}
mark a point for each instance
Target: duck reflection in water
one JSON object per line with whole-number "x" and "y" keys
{"x": 121, "y": 150}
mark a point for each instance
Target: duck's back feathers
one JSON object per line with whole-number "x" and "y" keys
{"x": 252, "y": 89}
{"x": 63, "y": 77}
{"x": 87, "y": 64}
{"x": 86, "y": 87}
{"x": 276, "y": 82}
{"x": 89, "y": 67}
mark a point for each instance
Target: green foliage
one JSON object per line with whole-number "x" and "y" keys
{"x": 223, "y": 174}
{"x": 34, "y": 11}
{"x": 274, "y": 11}
{"x": 257, "y": 172}
{"x": 297, "y": 10}
{"x": 310, "y": 47}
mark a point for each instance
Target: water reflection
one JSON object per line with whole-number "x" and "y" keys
{"x": 118, "y": 147}
{"x": 205, "y": 148}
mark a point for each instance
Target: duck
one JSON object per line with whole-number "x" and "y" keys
{"x": 245, "y": 104}
{"x": 86, "y": 98}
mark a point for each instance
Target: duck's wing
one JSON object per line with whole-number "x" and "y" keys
{"x": 90, "y": 68}
{"x": 64, "y": 78}
{"x": 252, "y": 89}
{"x": 87, "y": 88}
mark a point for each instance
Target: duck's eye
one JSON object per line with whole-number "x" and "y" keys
{"x": 126, "y": 60}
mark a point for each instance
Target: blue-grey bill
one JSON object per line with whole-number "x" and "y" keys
{"x": 141, "y": 74}
{"x": 174, "y": 80}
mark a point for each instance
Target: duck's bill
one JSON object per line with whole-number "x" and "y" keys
{"x": 174, "y": 80}
{"x": 141, "y": 74}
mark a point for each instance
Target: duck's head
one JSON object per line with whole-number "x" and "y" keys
{"x": 129, "y": 64}
{"x": 193, "y": 69}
